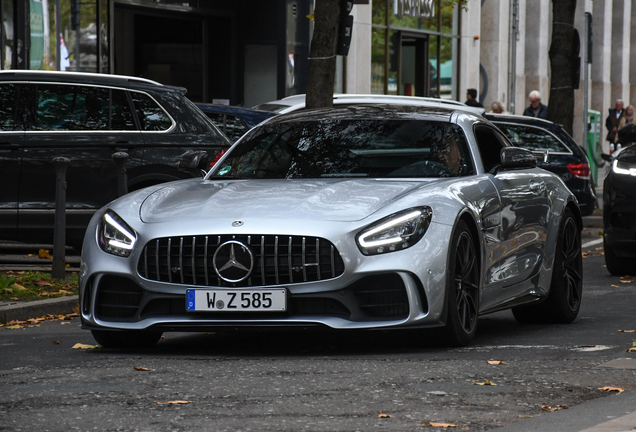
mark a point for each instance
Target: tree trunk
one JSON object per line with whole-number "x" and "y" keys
{"x": 322, "y": 54}
{"x": 564, "y": 60}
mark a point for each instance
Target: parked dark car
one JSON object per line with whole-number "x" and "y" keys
{"x": 87, "y": 118}
{"x": 619, "y": 213}
{"x": 556, "y": 152}
{"x": 234, "y": 121}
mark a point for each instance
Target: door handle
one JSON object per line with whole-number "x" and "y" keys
{"x": 536, "y": 187}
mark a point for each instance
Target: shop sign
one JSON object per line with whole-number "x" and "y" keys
{"x": 414, "y": 8}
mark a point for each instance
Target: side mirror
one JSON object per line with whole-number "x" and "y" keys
{"x": 515, "y": 157}
{"x": 193, "y": 162}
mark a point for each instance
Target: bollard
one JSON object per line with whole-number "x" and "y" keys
{"x": 59, "y": 231}
{"x": 122, "y": 177}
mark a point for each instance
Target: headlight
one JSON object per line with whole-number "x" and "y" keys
{"x": 623, "y": 168}
{"x": 115, "y": 236}
{"x": 396, "y": 232}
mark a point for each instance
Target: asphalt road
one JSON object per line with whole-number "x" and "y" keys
{"x": 325, "y": 381}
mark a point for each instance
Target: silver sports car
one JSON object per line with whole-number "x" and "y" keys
{"x": 367, "y": 217}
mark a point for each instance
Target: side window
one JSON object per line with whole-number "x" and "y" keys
{"x": 9, "y": 117}
{"x": 232, "y": 126}
{"x": 534, "y": 139}
{"x": 490, "y": 144}
{"x": 151, "y": 116}
{"x": 80, "y": 108}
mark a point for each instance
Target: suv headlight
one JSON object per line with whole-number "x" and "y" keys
{"x": 623, "y": 168}
{"x": 396, "y": 232}
{"x": 115, "y": 236}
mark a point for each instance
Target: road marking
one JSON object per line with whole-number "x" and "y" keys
{"x": 592, "y": 243}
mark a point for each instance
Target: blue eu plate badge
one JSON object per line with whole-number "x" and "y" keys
{"x": 190, "y": 300}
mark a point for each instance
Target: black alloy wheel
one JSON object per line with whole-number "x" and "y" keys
{"x": 463, "y": 288}
{"x": 618, "y": 266}
{"x": 566, "y": 287}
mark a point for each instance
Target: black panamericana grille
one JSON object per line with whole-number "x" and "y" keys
{"x": 278, "y": 259}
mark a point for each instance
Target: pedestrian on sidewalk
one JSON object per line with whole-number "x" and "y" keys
{"x": 536, "y": 108}
{"x": 613, "y": 120}
{"x": 627, "y": 119}
{"x": 471, "y": 98}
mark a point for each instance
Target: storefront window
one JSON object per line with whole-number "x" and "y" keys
{"x": 420, "y": 60}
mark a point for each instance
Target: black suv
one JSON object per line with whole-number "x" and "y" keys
{"x": 564, "y": 156}
{"x": 87, "y": 118}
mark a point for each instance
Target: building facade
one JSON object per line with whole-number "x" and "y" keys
{"x": 245, "y": 52}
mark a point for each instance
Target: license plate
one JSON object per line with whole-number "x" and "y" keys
{"x": 236, "y": 300}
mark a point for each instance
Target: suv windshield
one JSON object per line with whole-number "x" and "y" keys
{"x": 349, "y": 148}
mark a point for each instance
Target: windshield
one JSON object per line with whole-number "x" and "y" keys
{"x": 349, "y": 148}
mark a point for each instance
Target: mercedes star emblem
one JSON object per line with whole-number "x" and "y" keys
{"x": 233, "y": 261}
{"x": 237, "y": 223}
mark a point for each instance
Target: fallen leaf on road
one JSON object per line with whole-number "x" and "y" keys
{"x": 485, "y": 383}
{"x": 139, "y": 368}
{"x": 627, "y": 331}
{"x": 614, "y": 286}
{"x": 43, "y": 253}
{"x": 625, "y": 281}
{"x": 381, "y": 415}
{"x": 631, "y": 350}
{"x": 84, "y": 346}
{"x": 611, "y": 389}
{"x": 57, "y": 343}
{"x": 440, "y": 425}
{"x": 626, "y": 277}
{"x": 495, "y": 362}
{"x": 585, "y": 254}
{"x": 550, "y": 409}
{"x": 65, "y": 322}
{"x": 13, "y": 327}
{"x": 174, "y": 402}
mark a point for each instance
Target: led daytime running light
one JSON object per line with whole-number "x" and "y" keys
{"x": 619, "y": 170}
{"x": 114, "y": 242}
{"x": 385, "y": 226}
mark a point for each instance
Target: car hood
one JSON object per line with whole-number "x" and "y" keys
{"x": 331, "y": 199}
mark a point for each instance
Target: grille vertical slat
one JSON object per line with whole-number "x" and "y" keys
{"x": 157, "y": 260}
{"x": 290, "y": 266}
{"x": 262, "y": 260}
{"x": 194, "y": 254}
{"x": 181, "y": 259}
{"x": 205, "y": 261}
{"x": 275, "y": 260}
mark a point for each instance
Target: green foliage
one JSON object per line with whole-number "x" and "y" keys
{"x": 30, "y": 285}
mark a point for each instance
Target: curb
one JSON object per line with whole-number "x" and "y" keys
{"x": 22, "y": 311}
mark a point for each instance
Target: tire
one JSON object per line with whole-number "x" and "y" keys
{"x": 126, "y": 339}
{"x": 566, "y": 287}
{"x": 618, "y": 266}
{"x": 462, "y": 285}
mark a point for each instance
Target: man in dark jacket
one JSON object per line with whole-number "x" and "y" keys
{"x": 613, "y": 120}
{"x": 471, "y": 98}
{"x": 536, "y": 108}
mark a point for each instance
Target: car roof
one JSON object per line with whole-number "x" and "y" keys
{"x": 296, "y": 102}
{"x": 369, "y": 112}
{"x": 84, "y": 77}
{"x": 495, "y": 117}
